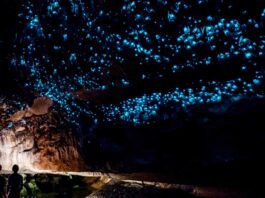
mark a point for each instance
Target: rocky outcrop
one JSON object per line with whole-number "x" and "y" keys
{"x": 133, "y": 189}
{"x": 38, "y": 143}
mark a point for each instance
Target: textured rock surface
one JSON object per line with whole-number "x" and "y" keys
{"x": 134, "y": 189}
{"x": 130, "y": 190}
{"x": 38, "y": 143}
{"x": 204, "y": 138}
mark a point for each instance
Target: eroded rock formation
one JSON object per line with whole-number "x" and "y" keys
{"x": 38, "y": 143}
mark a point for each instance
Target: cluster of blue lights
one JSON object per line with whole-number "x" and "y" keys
{"x": 64, "y": 47}
{"x": 141, "y": 110}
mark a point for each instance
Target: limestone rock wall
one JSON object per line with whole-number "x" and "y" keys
{"x": 38, "y": 143}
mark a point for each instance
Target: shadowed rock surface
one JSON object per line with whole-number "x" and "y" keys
{"x": 131, "y": 190}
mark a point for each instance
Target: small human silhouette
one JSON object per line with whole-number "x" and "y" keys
{"x": 2, "y": 185}
{"x": 15, "y": 183}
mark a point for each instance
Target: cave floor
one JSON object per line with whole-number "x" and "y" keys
{"x": 100, "y": 185}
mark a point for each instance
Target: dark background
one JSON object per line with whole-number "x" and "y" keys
{"x": 202, "y": 145}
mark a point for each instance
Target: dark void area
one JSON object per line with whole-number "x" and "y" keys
{"x": 213, "y": 145}
{"x": 8, "y": 20}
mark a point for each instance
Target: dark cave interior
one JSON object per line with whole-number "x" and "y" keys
{"x": 170, "y": 87}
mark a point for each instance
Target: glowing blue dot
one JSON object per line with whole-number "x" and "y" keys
{"x": 248, "y": 55}
{"x": 256, "y": 81}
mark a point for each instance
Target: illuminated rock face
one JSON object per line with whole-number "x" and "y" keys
{"x": 163, "y": 58}
{"x": 38, "y": 143}
{"x": 12, "y": 150}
